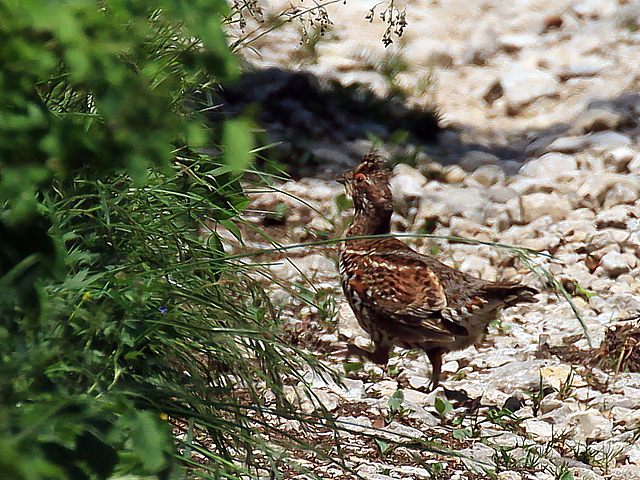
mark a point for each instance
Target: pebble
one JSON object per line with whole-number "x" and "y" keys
{"x": 541, "y": 431}
{"x": 616, "y": 217}
{"x": 536, "y": 205}
{"x": 462, "y": 227}
{"x": 625, "y": 472}
{"x": 407, "y": 182}
{"x": 509, "y": 475}
{"x": 580, "y": 473}
{"x": 523, "y": 85}
{"x": 550, "y": 165}
{"x": 474, "y": 159}
{"x": 620, "y": 194}
{"x": 500, "y": 194}
{"x": 483, "y": 45}
{"x": 594, "y": 188}
{"x": 582, "y": 69}
{"x": 486, "y": 176}
{"x": 596, "y": 120}
{"x": 619, "y": 158}
{"x": 427, "y": 51}
{"x": 454, "y": 174}
{"x": 517, "y": 41}
{"x": 569, "y": 144}
{"x": 479, "y": 267}
{"x": 590, "y": 425}
{"x": 445, "y": 201}
{"x": 634, "y": 165}
{"x": 606, "y": 140}
{"x": 614, "y": 264}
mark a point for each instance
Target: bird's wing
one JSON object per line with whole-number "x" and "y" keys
{"x": 402, "y": 291}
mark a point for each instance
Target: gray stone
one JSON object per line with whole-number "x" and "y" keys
{"x": 320, "y": 224}
{"x": 445, "y": 201}
{"x": 616, "y": 217}
{"x": 516, "y": 376}
{"x": 594, "y": 9}
{"x": 462, "y": 227}
{"x": 514, "y": 210}
{"x": 331, "y": 154}
{"x": 550, "y": 165}
{"x": 590, "y": 425}
{"x": 607, "y": 140}
{"x": 513, "y": 42}
{"x": 501, "y": 194}
{"x": 625, "y": 472}
{"x": 619, "y": 158}
{"x": 571, "y": 144}
{"x": 620, "y": 194}
{"x": 310, "y": 266}
{"x": 407, "y": 182}
{"x": 486, "y": 176}
{"x": 596, "y": 120}
{"x": 475, "y": 159}
{"x": 525, "y": 185}
{"x": 424, "y": 50}
{"x": 633, "y": 455}
{"x": 480, "y": 453}
{"x": 634, "y": 165}
{"x": 614, "y": 264}
{"x": 483, "y": 45}
{"x": 582, "y": 69}
{"x": 539, "y": 429}
{"x": 509, "y": 475}
{"x": 581, "y": 473}
{"x": 595, "y": 187}
{"x": 399, "y": 432}
{"x": 479, "y": 267}
{"x": 523, "y": 85}
{"x": 536, "y": 205}
{"x": 605, "y": 237}
{"x": 454, "y": 174}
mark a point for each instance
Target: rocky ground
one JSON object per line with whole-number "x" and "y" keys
{"x": 540, "y": 150}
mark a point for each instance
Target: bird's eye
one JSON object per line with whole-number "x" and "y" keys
{"x": 359, "y": 177}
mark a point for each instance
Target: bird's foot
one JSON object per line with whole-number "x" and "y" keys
{"x": 380, "y": 354}
{"x": 357, "y": 351}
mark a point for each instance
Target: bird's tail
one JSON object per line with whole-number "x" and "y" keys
{"x": 511, "y": 293}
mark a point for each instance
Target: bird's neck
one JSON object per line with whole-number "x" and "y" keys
{"x": 370, "y": 222}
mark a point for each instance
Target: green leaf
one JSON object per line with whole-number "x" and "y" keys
{"x": 148, "y": 441}
{"x": 584, "y": 293}
{"x": 352, "y": 367}
{"x": 395, "y": 401}
{"x": 443, "y": 406}
{"x": 238, "y": 143}
{"x": 233, "y": 229}
{"x": 343, "y": 202}
{"x": 382, "y": 445}
{"x": 461, "y": 433}
{"x": 398, "y": 137}
{"x": 278, "y": 214}
{"x": 566, "y": 475}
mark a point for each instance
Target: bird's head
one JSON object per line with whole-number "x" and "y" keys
{"x": 368, "y": 185}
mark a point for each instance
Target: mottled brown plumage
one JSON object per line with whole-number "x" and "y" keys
{"x": 403, "y": 298}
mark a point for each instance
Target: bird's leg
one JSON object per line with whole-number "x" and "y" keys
{"x": 435, "y": 357}
{"x": 380, "y": 354}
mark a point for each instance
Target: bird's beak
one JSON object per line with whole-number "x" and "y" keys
{"x": 341, "y": 179}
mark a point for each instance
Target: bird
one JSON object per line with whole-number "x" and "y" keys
{"x": 403, "y": 298}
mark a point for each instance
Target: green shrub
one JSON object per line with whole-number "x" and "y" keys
{"x": 120, "y": 312}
